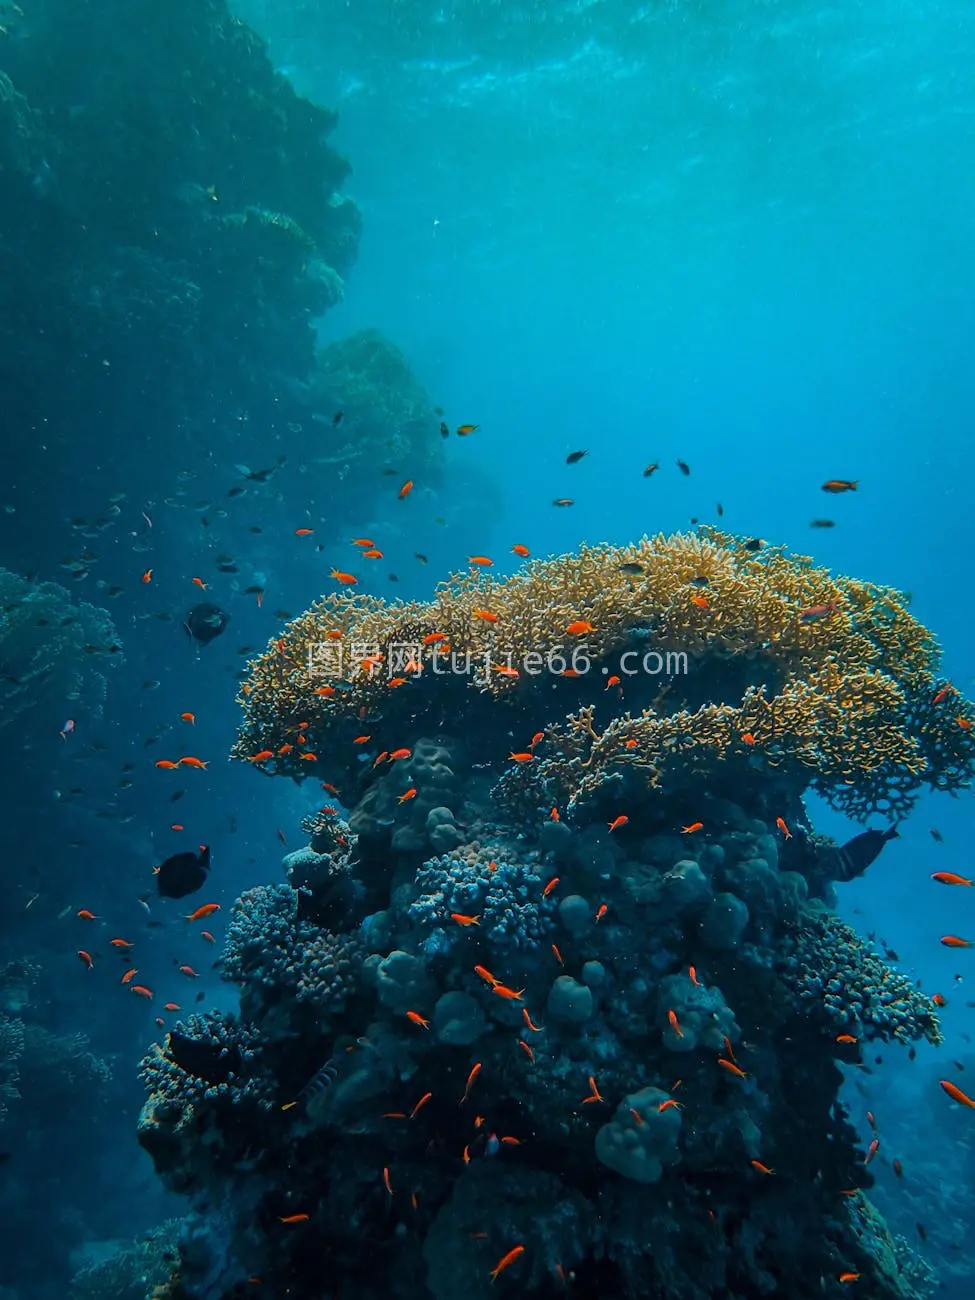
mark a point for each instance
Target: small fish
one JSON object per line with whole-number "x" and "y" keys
{"x": 845, "y": 1038}
{"x": 386, "y": 1182}
{"x": 463, "y": 430}
{"x": 952, "y": 941}
{"x": 346, "y": 579}
{"x": 141, "y": 991}
{"x": 444, "y": 431}
{"x": 418, "y": 1019}
{"x": 129, "y": 974}
{"x": 780, "y": 824}
{"x": 943, "y": 693}
{"x": 85, "y": 958}
{"x": 651, "y": 469}
{"x": 692, "y": 829}
{"x": 207, "y": 909}
{"x": 949, "y": 878}
{"x": 407, "y": 795}
{"x": 337, "y": 418}
{"x": 147, "y": 577}
{"x": 618, "y": 822}
{"x": 730, "y": 1066}
{"x": 748, "y": 738}
{"x": 563, "y": 501}
{"x": 122, "y": 944}
{"x": 956, "y": 1094}
{"x": 172, "y": 1006}
{"x": 848, "y": 1277}
{"x": 631, "y": 568}
{"x": 86, "y": 915}
{"x": 700, "y": 601}
{"x": 684, "y": 468}
{"x": 550, "y": 886}
{"x": 762, "y": 1169}
{"x": 481, "y": 561}
{"x": 485, "y": 615}
{"x": 674, "y": 1023}
{"x": 188, "y": 717}
{"x": 465, "y": 920}
{"x": 594, "y": 1093}
{"x": 506, "y": 1260}
{"x": 574, "y": 457}
{"x": 579, "y": 627}
{"x": 405, "y": 490}
{"x": 898, "y": 1168}
{"x": 872, "y": 1150}
{"x": 603, "y": 909}
{"x": 822, "y": 523}
{"x": 521, "y": 756}
{"x": 813, "y": 613}
{"x": 512, "y": 995}
{"x": 421, "y": 1103}
{"x": 475, "y": 1071}
{"x": 753, "y": 544}
{"x": 837, "y": 485}
{"x": 293, "y": 1218}
{"x": 557, "y": 954}
{"x": 519, "y": 549}
{"x": 417, "y": 555}
{"x": 486, "y": 975}
{"x": 536, "y": 1029}
{"x": 190, "y": 760}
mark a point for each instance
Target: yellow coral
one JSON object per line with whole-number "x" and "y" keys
{"x": 845, "y": 695}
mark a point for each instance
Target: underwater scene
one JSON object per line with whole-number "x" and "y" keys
{"x": 485, "y": 666}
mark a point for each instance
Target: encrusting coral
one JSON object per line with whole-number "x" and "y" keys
{"x": 581, "y": 1026}
{"x": 781, "y": 666}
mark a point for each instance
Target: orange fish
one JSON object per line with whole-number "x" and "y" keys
{"x": 502, "y": 990}
{"x": 188, "y": 760}
{"x": 123, "y": 944}
{"x": 558, "y": 955}
{"x": 518, "y": 549}
{"x": 631, "y": 744}
{"x": 612, "y": 681}
{"x": 147, "y": 576}
{"x": 346, "y": 579}
{"x": 475, "y": 1071}
{"x": 603, "y": 909}
{"x": 845, "y": 1038}
{"x": 177, "y": 826}
{"x": 700, "y": 602}
{"x": 304, "y": 532}
{"x": 675, "y": 1023}
{"x": 505, "y": 670}
{"x": 205, "y": 934}
{"x": 398, "y": 754}
{"x": 730, "y": 1066}
{"x": 692, "y": 975}
{"x": 617, "y": 822}
{"x": 762, "y": 1169}
{"x": 188, "y": 717}
{"x": 86, "y": 915}
{"x": 550, "y": 886}
{"x": 638, "y": 1118}
{"x": 166, "y": 763}
{"x": 85, "y": 957}
{"x": 361, "y": 740}
{"x": 949, "y": 878}
{"x": 594, "y": 1093}
{"x": 142, "y": 991}
{"x": 207, "y": 909}
{"x": 486, "y": 975}
{"x": 689, "y": 830}
{"x": 198, "y": 582}
{"x": 189, "y": 972}
{"x": 388, "y": 1184}
{"x": 261, "y": 757}
{"x": 964, "y": 723}
{"x": 406, "y": 489}
{"x": 748, "y": 738}
{"x": 780, "y": 823}
{"x": 171, "y": 1006}
{"x": 418, "y": 1019}
{"x": 848, "y": 1277}
{"x": 421, "y": 1103}
{"x": 515, "y": 1251}
{"x": 952, "y": 941}
{"x": 943, "y": 693}
{"x": 670, "y": 1104}
{"x": 956, "y": 1094}
{"x": 840, "y": 485}
{"x": 536, "y": 1029}
{"x": 524, "y": 756}
{"x": 309, "y": 757}
{"x": 485, "y": 615}
{"x": 128, "y": 975}
{"x": 461, "y": 919}
{"x": 554, "y": 815}
{"x": 293, "y": 1218}
{"x": 872, "y": 1150}
{"x": 729, "y": 1050}
{"x": 939, "y": 1000}
{"x": 363, "y": 541}
{"x": 464, "y": 429}
{"x": 579, "y": 627}
{"x": 407, "y": 795}
{"x": 432, "y": 638}
{"x": 481, "y": 561}
{"x": 372, "y": 554}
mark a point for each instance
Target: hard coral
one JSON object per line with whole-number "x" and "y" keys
{"x": 839, "y": 699}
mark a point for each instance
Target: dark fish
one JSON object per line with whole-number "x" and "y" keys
{"x": 205, "y": 622}
{"x": 205, "y": 1060}
{"x": 753, "y": 544}
{"x": 254, "y": 529}
{"x": 836, "y": 485}
{"x": 700, "y": 581}
{"x": 236, "y": 492}
{"x": 720, "y": 509}
{"x": 319, "y": 1083}
{"x": 563, "y": 501}
{"x": 912, "y": 1054}
{"x": 176, "y": 796}
{"x": 444, "y": 431}
{"x": 574, "y": 457}
{"x": 684, "y": 468}
{"x": 922, "y": 1231}
{"x": 200, "y": 996}
{"x": 651, "y": 469}
{"x": 183, "y": 873}
{"x": 337, "y": 417}
{"x": 393, "y": 577}
{"x": 422, "y": 558}
{"x": 937, "y": 836}
{"x": 822, "y": 523}
{"x": 630, "y": 567}
{"x": 853, "y": 858}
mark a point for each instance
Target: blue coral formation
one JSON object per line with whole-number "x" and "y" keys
{"x": 504, "y": 1040}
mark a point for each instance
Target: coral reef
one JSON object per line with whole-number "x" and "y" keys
{"x": 782, "y": 675}
{"x": 53, "y": 651}
{"x": 129, "y": 1270}
{"x": 584, "y": 1024}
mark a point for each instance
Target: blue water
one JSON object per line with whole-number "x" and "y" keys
{"x": 734, "y": 234}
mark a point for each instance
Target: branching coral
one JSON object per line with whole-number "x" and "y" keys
{"x": 781, "y": 665}
{"x": 51, "y": 650}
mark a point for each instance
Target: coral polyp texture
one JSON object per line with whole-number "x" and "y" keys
{"x": 540, "y": 1009}
{"x": 728, "y": 659}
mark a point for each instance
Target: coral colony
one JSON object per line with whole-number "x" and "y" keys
{"x": 554, "y": 1001}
